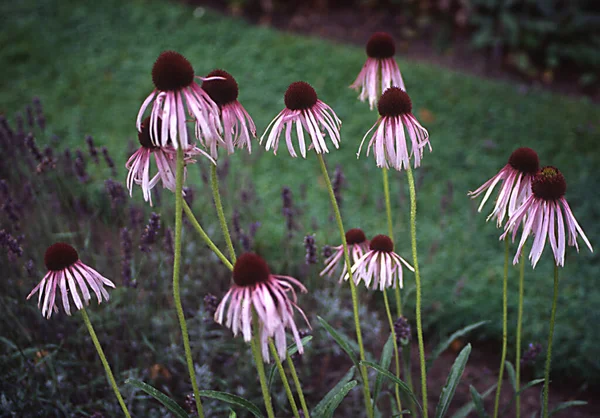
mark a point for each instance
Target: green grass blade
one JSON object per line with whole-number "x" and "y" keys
{"x": 340, "y": 340}
{"x": 469, "y": 406}
{"x": 321, "y": 407}
{"x": 401, "y": 385}
{"x": 523, "y": 389}
{"x": 169, "y": 403}
{"x": 453, "y": 379}
{"x": 233, "y": 400}
{"x": 442, "y": 346}
{"x": 478, "y": 402}
{"x": 566, "y": 405}
{"x": 511, "y": 374}
{"x": 337, "y": 398}
{"x": 384, "y": 363}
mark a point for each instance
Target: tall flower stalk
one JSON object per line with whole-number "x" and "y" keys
{"x": 519, "y": 331}
{"x": 260, "y": 367}
{"x": 214, "y": 181}
{"x": 546, "y": 392}
{"x": 504, "y": 329}
{"x": 286, "y": 384}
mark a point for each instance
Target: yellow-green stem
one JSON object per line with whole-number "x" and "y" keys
{"x": 290, "y": 363}
{"x": 395, "y": 342}
{"x": 214, "y": 181}
{"x": 176, "y": 273}
{"x": 549, "y": 349}
{"x": 284, "y": 379}
{"x": 390, "y": 225}
{"x": 205, "y": 237}
{"x": 519, "y": 329}
{"x": 338, "y": 218}
{"x": 504, "y": 328}
{"x": 260, "y": 367}
{"x": 413, "y": 241}
{"x": 109, "y": 375}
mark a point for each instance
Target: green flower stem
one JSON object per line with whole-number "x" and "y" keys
{"x": 205, "y": 237}
{"x": 390, "y": 225}
{"x": 549, "y": 349}
{"x": 111, "y": 378}
{"x": 214, "y": 181}
{"x": 413, "y": 240}
{"x": 176, "y": 273}
{"x": 338, "y": 217}
{"x": 284, "y": 379}
{"x": 395, "y": 342}
{"x": 260, "y": 367}
{"x": 504, "y": 327}
{"x": 519, "y": 329}
{"x": 298, "y": 386}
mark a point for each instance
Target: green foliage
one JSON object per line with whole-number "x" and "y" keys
{"x": 452, "y": 382}
{"x": 169, "y": 403}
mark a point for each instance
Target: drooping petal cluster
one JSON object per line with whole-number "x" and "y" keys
{"x": 358, "y": 245}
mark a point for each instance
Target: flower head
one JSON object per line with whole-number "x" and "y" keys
{"x": 303, "y": 108}
{"x": 542, "y": 217}
{"x": 358, "y": 245}
{"x": 516, "y": 178}
{"x": 165, "y": 158}
{"x": 380, "y": 67}
{"x": 254, "y": 287}
{"x": 65, "y": 268}
{"x": 238, "y": 126}
{"x": 389, "y": 140}
{"x": 380, "y": 265}
{"x": 175, "y": 92}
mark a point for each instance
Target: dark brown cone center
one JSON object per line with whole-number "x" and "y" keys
{"x": 525, "y": 160}
{"x": 381, "y": 45}
{"x": 172, "y": 71}
{"x": 381, "y": 243}
{"x": 394, "y": 102}
{"x": 221, "y": 92}
{"x": 144, "y": 134}
{"x": 59, "y": 256}
{"x": 549, "y": 184}
{"x": 355, "y": 236}
{"x": 250, "y": 269}
{"x": 299, "y": 96}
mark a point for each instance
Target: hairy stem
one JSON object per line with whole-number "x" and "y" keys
{"x": 214, "y": 181}
{"x": 519, "y": 330}
{"x": 504, "y": 328}
{"x": 290, "y": 363}
{"x": 395, "y": 342}
{"x": 260, "y": 367}
{"x": 549, "y": 349}
{"x": 284, "y": 379}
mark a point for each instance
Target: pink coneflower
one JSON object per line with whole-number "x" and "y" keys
{"x": 237, "y": 123}
{"x": 542, "y": 217}
{"x": 358, "y": 245}
{"x": 389, "y": 140}
{"x": 175, "y": 92}
{"x": 516, "y": 178}
{"x": 255, "y": 287}
{"x": 380, "y": 265}
{"x": 166, "y": 162}
{"x": 380, "y": 72}
{"x": 303, "y": 108}
{"x": 64, "y": 267}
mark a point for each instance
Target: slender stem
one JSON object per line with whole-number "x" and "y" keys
{"x": 413, "y": 240}
{"x": 260, "y": 367}
{"x": 204, "y": 236}
{"x": 504, "y": 328}
{"x": 111, "y": 378}
{"x": 395, "y": 342}
{"x": 214, "y": 181}
{"x": 390, "y": 225}
{"x": 338, "y": 218}
{"x": 290, "y": 363}
{"x": 549, "y": 349}
{"x": 519, "y": 329}
{"x": 284, "y": 379}
{"x": 176, "y": 274}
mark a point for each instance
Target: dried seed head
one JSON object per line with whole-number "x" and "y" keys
{"x": 549, "y": 184}
{"x": 172, "y": 71}
{"x": 394, "y": 102}
{"x": 221, "y": 91}
{"x": 381, "y": 45}
{"x": 144, "y": 134}
{"x": 60, "y": 256}
{"x": 355, "y": 236}
{"x": 250, "y": 269}
{"x": 381, "y": 243}
{"x": 299, "y": 96}
{"x": 525, "y": 160}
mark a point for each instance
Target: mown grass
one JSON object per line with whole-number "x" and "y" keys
{"x": 90, "y": 65}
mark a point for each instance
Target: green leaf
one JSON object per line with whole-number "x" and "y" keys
{"x": 384, "y": 363}
{"x": 233, "y": 400}
{"x": 453, "y": 379}
{"x": 232, "y": 413}
{"x": 441, "y": 347}
{"x": 566, "y": 405}
{"x": 511, "y": 374}
{"x": 337, "y": 398}
{"x": 401, "y": 385}
{"x": 478, "y": 402}
{"x": 469, "y": 406}
{"x": 291, "y": 350}
{"x": 340, "y": 340}
{"x": 523, "y": 389}
{"x": 321, "y": 407}
{"x": 169, "y": 403}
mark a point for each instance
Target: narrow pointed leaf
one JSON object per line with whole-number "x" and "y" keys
{"x": 453, "y": 379}
{"x": 384, "y": 363}
{"x": 441, "y": 347}
{"x": 233, "y": 400}
{"x": 512, "y": 375}
{"x": 291, "y": 350}
{"x": 566, "y": 405}
{"x": 401, "y": 385}
{"x": 232, "y": 413}
{"x": 344, "y": 345}
{"x": 169, "y": 403}
{"x": 468, "y": 407}
{"x": 321, "y": 407}
{"x": 337, "y": 398}
{"x": 523, "y": 389}
{"x": 478, "y": 402}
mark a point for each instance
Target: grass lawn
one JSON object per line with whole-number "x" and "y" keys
{"x": 90, "y": 63}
